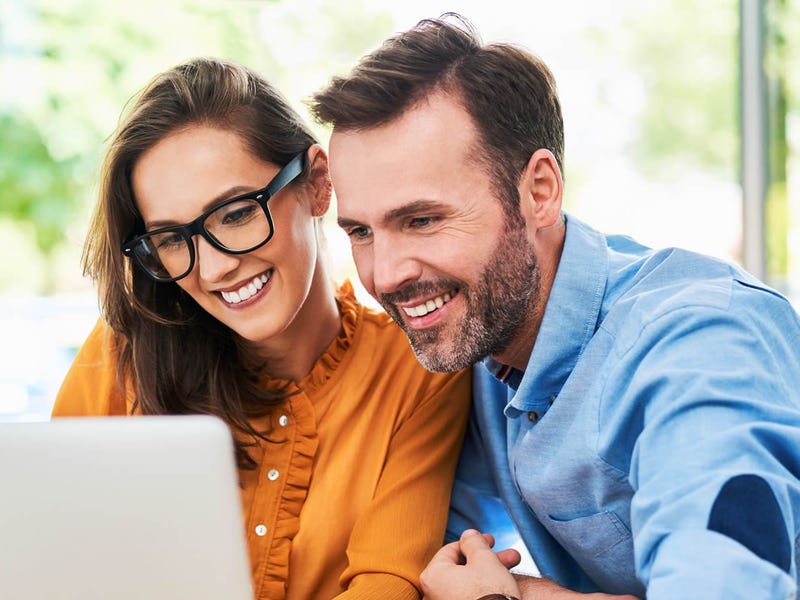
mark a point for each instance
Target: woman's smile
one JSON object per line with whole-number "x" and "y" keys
{"x": 249, "y": 291}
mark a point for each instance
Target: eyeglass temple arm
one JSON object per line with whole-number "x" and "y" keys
{"x": 292, "y": 169}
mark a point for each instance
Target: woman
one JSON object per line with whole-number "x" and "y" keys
{"x": 216, "y": 299}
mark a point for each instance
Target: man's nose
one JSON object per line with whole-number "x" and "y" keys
{"x": 213, "y": 264}
{"x": 395, "y": 264}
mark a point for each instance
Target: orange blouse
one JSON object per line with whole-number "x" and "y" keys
{"x": 350, "y": 495}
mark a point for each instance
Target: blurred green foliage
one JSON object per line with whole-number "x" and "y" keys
{"x": 67, "y": 68}
{"x": 688, "y": 59}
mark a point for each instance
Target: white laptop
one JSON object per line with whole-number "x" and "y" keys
{"x": 120, "y": 508}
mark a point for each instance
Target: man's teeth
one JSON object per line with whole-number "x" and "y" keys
{"x": 246, "y": 291}
{"x": 423, "y": 309}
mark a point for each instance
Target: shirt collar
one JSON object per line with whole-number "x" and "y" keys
{"x": 570, "y": 319}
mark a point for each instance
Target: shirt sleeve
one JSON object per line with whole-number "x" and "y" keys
{"x": 404, "y": 524}
{"x": 716, "y": 506}
{"x": 90, "y": 387}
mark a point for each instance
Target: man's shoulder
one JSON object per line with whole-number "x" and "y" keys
{"x": 673, "y": 279}
{"x": 671, "y": 287}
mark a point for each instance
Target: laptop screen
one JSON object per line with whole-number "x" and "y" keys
{"x": 122, "y": 508}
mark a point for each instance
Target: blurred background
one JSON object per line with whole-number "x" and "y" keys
{"x": 682, "y": 127}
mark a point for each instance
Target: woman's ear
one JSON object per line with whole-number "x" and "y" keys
{"x": 318, "y": 180}
{"x": 540, "y": 191}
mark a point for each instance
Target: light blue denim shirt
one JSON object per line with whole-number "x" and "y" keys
{"x": 652, "y": 445}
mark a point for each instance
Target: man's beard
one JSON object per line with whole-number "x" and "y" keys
{"x": 496, "y": 307}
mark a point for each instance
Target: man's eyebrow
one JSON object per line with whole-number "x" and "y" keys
{"x": 412, "y": 208}
{"x": 345, "y": 223}
{"x": 396, "y": 214}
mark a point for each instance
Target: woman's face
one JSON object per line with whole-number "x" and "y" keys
{"x": 257, "y": 294}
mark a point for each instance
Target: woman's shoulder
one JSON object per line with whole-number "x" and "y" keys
{"x": 371, "y": 325}
{"x": 100, "y": 345}
{"x": 90, "y": 386}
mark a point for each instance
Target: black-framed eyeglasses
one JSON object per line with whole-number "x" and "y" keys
{"x": 236, "y": 226}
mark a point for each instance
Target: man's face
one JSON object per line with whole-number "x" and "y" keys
{"x": 429, "y": 235}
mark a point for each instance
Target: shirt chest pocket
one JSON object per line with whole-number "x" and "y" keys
{"x": 602, "y": 545}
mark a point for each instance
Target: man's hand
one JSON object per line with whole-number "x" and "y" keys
{"x": 538, "y": 588}
{"x": 469, "y": 569}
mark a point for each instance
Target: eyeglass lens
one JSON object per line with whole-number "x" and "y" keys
{"x": 237, "y": 226}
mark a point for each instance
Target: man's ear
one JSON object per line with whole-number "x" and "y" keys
{"x": 318, "y": 180}
{"x": 540, "y": 191}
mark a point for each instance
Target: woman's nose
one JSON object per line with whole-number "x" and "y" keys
{"x": 213, "y": 264}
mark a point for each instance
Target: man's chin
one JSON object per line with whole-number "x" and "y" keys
{"x": 435, "y": 349}
{"x": 437, "y": 359}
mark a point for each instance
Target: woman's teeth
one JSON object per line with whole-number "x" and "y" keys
{"x": 246, "y": 291}
{"x": 423, "y": 309}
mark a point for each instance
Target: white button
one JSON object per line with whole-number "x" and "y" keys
{"x": 261, "y": 530}
{"x": 273, "y": 474}
{"x": 283, "y": 420}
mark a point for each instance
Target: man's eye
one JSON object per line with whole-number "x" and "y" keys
{"x": 358, "y": 234}
{"x": 421, "y": 222}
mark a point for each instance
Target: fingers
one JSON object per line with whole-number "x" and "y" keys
{"x": 449, "y": 554}
{"x": 509, "y": 557}
{"x": 477, "y": 547}
{"x": 473, "y": 538}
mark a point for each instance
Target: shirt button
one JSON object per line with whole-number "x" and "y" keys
{"x": 533, "y": 416}
{"x": 261, "y": 530}
{"x": 273, "y": 474}
{"x": 283, "y": 420}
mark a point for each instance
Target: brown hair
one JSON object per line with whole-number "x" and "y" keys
{"x": 509, "y": 93}
{"x": 178, "y": 358}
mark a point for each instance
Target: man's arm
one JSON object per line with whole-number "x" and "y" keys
{"x": 714, "y": 469}
{"x": 469, "y": 569}
{"x": 539, "y": 588}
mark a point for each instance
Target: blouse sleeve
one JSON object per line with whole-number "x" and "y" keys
{"x": 90, "y": 387}
{"x": 403, "y": 526}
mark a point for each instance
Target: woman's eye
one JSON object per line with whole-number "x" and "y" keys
{"x": 239, "y": 214}
{"x": 169, "y": 241}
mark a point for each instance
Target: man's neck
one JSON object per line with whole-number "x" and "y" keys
{"x": 549, "y": 246}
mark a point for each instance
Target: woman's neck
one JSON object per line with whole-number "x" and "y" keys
{"x": 292, "y": 355}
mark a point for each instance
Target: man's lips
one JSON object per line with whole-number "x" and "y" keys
{"x": 428, "y": 306}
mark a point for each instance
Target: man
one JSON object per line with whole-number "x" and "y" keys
{"x": 637, "y": 410}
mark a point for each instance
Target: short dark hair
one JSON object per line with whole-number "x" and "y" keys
{"x": 509, "y": 93}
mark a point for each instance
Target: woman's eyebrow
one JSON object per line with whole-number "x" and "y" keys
{"x": 232, "y": 192}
